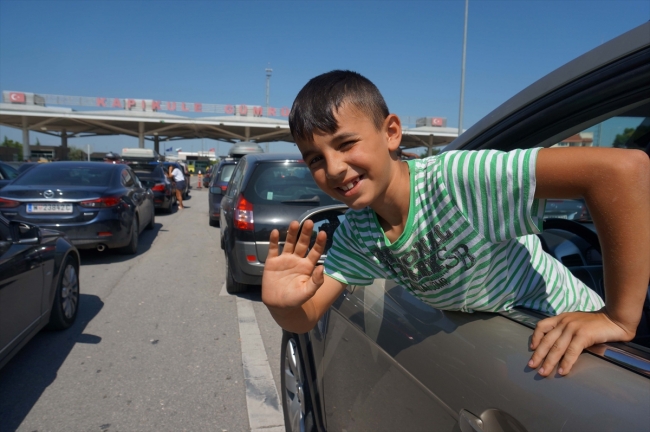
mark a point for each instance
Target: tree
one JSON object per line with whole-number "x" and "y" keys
{"x": 75, "y": 154}
{"x": 621, "y": 140}
{"x": 12, "y": 144}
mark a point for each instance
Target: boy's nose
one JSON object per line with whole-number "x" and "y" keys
{"x": 335, "y": 168}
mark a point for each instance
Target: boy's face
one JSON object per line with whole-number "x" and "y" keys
{"x": 354, "y": 165}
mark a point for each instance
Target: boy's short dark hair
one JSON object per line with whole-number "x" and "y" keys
{"x": 315, "y": 106}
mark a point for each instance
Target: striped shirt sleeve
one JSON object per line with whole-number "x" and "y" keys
{"x": 346, "y": 262}
{"x": 495, "y": 191}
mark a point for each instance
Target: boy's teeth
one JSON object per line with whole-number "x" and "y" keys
{"x": 348, "y": 186}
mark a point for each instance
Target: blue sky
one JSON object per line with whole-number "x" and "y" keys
{"x": 216, "y": 51}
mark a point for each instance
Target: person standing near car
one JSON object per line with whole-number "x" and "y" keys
{"x": 177, "y": 177}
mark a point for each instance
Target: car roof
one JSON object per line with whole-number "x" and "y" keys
{"x": 621, "y": 46}
{"x": 273, "y": 157}
{"x": 83, "y": 164}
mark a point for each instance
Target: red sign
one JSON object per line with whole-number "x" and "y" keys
{"x": 437, "y": 121}
{"x": 17, "y": 97}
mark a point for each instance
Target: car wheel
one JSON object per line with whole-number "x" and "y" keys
{"x": 132, "y": 247}
{"x": 296, "y": 401}
{"x": 232, "y": 286}
{"x": 66, "y": 299}
{"x": 152, "y": 221}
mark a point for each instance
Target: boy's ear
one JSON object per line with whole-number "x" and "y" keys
{"x": 393, "y": 130}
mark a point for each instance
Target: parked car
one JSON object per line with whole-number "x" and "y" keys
{"x": 97, "y": 205}
{"x": 39, "y": 284}
{"x": 186, "y": 174}
{"x": 266, "y": 191}
{"x": 380, "y": 359}
{"x": 7, "y": 174}
{"x": 217, "y": 187}
{"x": 154, "y": 178}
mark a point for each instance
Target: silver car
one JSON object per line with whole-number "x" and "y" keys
{"x": 381, "y": 360}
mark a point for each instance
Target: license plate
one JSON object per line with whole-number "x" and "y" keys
{"x": 49, "y": 208}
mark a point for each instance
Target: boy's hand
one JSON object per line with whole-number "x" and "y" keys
{"x": 562, "y": 338}
{"x": 289, "y": 278}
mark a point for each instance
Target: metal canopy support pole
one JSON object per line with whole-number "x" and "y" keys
{"x": 156, "y": 144}
{"x": 247, "y": 133}
{"x": 64, "y": 145}
{"x": 430, "y": 150}
{"x": 141, "y": 134}
{"x": 462, "y": 73}
{"x": 26, "y": 152}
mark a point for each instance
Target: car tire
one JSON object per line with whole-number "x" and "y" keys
{"x": 296, "y": 396}
{"x": 232, "y": 286}
{"x": 152, "y": 221}
{"x": 66, "y": 299}
{"x": 214, "y": 222}
{"x": 132, "y": 247}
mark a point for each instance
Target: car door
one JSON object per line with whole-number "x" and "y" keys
{"x": 21, "y": 289}
{"x": 136, "y": 195}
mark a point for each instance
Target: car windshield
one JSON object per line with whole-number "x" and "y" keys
{"x": 285, "y": 182}
{"x": 630, "y": 130}
{"x": 154, "y": 171}
{"x": 62, "y": 174}
{"x": 226, "y": 172}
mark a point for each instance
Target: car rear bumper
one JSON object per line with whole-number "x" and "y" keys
{"x": 87, "y": 236}
{"x": 247, "y": 271}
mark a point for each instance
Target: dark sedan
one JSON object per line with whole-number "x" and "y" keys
{"x": 97, "y": 205}
{"x": 39, "y": 284}
{"x": 380, "y": 359}
{"x": 266, "y": 191}
{"x": 154, "y": 178}
{"x": 218, "y": 186}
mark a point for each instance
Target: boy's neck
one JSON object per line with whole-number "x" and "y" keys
{"x": 393, "y": 210}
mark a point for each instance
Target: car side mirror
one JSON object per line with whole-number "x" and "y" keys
{"x": 216, "y": 190}
{"x": 326, "y": 218}
{"x": 24, "y": 233}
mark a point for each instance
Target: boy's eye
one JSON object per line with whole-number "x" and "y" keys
{"x": 314, "y": 160}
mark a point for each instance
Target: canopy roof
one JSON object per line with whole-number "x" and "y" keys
{"x": 148, "y": 125}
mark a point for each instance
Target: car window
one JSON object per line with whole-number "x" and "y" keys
{"x": 127, "y": 179}
{"x": 62, "y": 174}
{"x": 628, "y": 130}
{"x": 285, "y": 182}
{"x": 8, "y": 172}
{"x": 235, "y": 182}
{"x": 226, "y": 172}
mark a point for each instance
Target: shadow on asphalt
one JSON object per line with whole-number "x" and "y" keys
{"x": 94, "y": 257}
{"x": 34, "y": 368}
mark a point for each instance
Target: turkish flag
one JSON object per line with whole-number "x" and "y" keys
{"x": 436, "y": 121}
{"x": 17, "y": 97}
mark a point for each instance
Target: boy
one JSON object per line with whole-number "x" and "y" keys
{"x": 458, "y": 229}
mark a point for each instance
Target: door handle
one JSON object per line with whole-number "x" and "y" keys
{"x": 491, "y": 420}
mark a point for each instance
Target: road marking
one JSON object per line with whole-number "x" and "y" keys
{"x": 223, "y": 292}
{"x": 264, "y": 408}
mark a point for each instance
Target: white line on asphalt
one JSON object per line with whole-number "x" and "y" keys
{"x": 264, "y": 412}
{"x": 223, "y": 292}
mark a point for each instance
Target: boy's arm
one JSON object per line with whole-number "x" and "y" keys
{"x": 615, "y": 184}
{"x": 294, "y": 289}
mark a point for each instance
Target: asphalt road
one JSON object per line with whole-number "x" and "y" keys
{"x": 155, "y": 346}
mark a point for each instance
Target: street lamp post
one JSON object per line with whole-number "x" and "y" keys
{"x": 462, "y": 73}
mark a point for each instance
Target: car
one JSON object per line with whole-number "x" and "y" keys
{"x": 573, "y": 209}
{"x": 265, "y": 192}
{"x": 153, "y": 177}
{"x": 186, "y": 174}
{"x": 97, "y": 205}
{"x": 380, "y": 359}
{"x": 39, "y": 284}
{"x": 217, "y": 187}
{"x": 7, "y": 174}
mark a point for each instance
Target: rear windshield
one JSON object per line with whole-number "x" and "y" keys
{"x": 226, "y": 172}
{"x": 289, "y": 183}
{"x": 61, "y": 174}
{"x": 154, "y": 171}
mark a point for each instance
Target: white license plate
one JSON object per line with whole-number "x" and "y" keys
{"x": 49, "y": 208}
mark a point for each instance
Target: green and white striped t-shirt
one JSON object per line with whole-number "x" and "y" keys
{"x": 469, "y": 240}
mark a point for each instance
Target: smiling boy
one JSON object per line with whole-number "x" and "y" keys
{"x": 458, "y": 230}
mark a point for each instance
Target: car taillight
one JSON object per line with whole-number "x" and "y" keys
{"x": 101, "y": 202}
{"x": 243, "y": 215}
{"x": 224, "y": 187}
{"x": 5, "y": 203}
{"x": 160, "y": 187}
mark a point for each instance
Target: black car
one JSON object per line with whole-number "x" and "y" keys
{"x": 380, "y": 359}
{"x": 217, "y": 187}
{"x": 97, "y": 205}
{"x": 7, "y": 174}
{"x": 266, "y": 191}
{"x": 39, "y": 284}
{"x": 154, "y": 178}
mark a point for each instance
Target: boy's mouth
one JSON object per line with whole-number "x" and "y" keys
{"x": 346, "y": 188}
